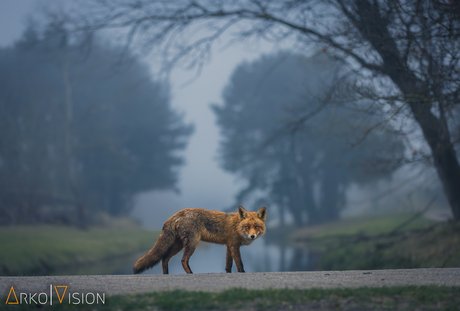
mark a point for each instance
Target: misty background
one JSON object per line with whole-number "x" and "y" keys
{"x": 202, "y": 183}
{"x": 201, "y": 179}
{"x": 144, "y": 120}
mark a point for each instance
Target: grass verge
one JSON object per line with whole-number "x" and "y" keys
{"x": 33, "y": 250}
{"x": 386, "y": 298}
{"x": 382, "y": 243}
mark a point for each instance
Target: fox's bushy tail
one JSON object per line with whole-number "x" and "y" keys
{"x": 159, "y": 250}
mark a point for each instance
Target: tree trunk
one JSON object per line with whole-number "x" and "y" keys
{"x": 375, "y": 30}
{"x": 445, "y": 159}
{"x": 436, "y": 135}
{"x": 309, "y": 202}
{"x": 330, "y": 197}
{"x": 80, "y": 209}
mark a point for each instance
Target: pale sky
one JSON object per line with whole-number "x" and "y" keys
{"x": 202, "y": 182}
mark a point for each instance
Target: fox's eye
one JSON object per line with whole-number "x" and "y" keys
{"x": 247, "y": 227}
{"x": 256, "y": 227}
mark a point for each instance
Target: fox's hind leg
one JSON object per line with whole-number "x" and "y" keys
{"x": 176, "y": 248}
{"x": 190, "y": 244}
{"x": 229, "y": 261}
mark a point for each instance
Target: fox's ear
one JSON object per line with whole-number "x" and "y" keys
{"x": 262, "y": 214}
{"x": 242, "y": 212}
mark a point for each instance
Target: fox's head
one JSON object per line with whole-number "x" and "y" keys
{"x": 252, "y": 224}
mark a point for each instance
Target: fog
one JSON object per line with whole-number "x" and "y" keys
{"x": 202, "y": 182}
{"x": 316, "y": 130}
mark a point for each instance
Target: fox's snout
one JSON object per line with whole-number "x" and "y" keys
{"x": 252, "y": 233}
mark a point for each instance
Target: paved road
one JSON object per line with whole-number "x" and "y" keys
{"x": 128, "y": 284}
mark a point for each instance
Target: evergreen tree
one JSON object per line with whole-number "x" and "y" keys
{"x": 81, "y": 132}
{"x": 264, "y": 143}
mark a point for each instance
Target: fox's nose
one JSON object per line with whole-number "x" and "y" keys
{"x": 253, "y": 236}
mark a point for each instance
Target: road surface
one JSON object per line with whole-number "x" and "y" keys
{"x": 130, "y": 284}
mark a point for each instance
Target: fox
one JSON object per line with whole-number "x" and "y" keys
{"x": 186, "y": 228}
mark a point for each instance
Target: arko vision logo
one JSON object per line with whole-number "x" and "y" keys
{"x": 48, "y": 297}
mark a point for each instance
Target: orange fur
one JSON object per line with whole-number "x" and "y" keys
{"x": 188, "y": 227}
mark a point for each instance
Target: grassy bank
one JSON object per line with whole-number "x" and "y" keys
{"x": 35, "y": 250}
{"x": 383, "y": 242}
{"x": 392, "y": 298}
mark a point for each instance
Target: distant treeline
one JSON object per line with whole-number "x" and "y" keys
{"x": 404, "y": 58}
{"x": 295, "y": 130}
{"x": 81, "y": 129}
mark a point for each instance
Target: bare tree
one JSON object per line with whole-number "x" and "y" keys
{"x": 412, "y": 44}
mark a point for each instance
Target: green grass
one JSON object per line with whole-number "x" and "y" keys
{"x": 28, "y": 250}
{"x": 381, "y": 243}
{"x": 370, "y": 226}
{"x": 386, "y": 298}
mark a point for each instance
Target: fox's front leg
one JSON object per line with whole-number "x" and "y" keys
{"x": 229, "y": 261}
{"x": 237, "y": 257}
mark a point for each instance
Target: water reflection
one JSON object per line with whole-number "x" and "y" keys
{"x": 257, "y": 257}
